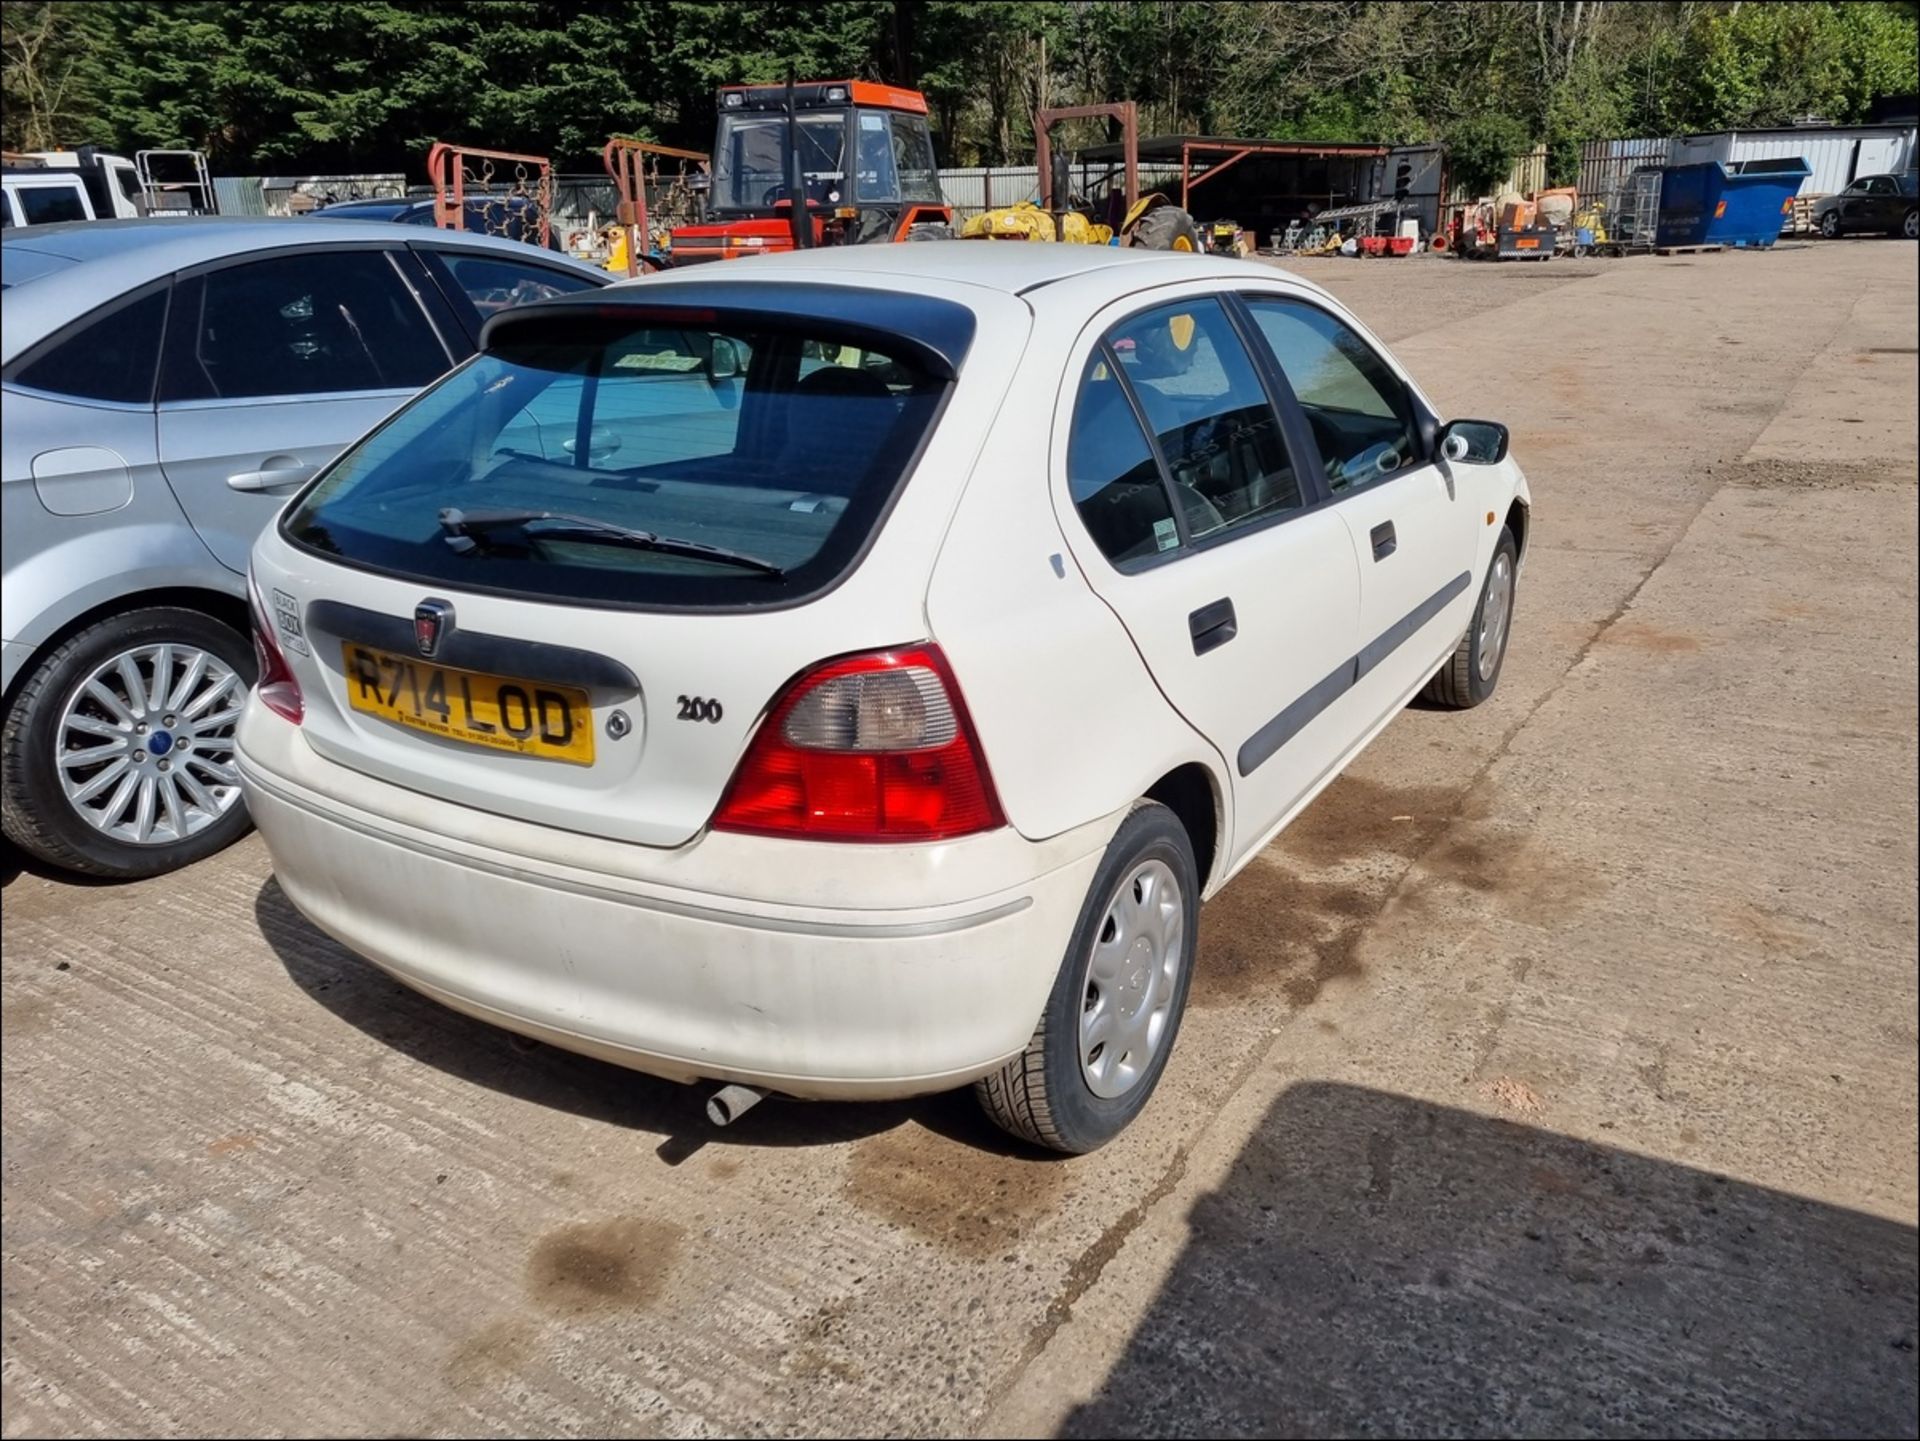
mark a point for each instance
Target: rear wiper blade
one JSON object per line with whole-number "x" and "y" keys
{"x": 463, "y": 526}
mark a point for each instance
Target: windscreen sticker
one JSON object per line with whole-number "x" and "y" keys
{"x": 1166, "y": 535}
{"x": 286, "y": 612}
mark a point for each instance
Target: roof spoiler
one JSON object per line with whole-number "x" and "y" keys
{"x": 932, "y": 334}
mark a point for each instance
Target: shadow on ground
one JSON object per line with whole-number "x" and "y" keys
{"x": 1377, "y": 1265}
{"x": 367, "y": 998}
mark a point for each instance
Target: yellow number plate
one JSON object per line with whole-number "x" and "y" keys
{"x": 500, "y": 712}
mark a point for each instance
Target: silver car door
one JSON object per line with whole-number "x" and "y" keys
{"x": 272, "y": 365}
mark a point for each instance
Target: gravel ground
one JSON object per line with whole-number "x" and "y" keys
{"x": 1556, "y": 1072}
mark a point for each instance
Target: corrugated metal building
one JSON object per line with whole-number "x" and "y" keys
{"x": 1835, "y": 154}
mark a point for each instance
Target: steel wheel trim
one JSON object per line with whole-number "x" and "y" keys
{"x": 144, "y": 744}
{"x": 1131, "y": 979}
{"x": 1910, "y": 227}
{"x": 1495, "y": 612}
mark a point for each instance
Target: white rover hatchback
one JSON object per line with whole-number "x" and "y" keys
{"x": 844, "y": 674}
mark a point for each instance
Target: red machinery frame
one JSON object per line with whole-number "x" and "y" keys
{"x": 625, "y": 161}
{"x": 447, "y": 169}
{"x": 1125, "y": 111}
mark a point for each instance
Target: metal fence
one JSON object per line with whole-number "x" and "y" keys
{"x": 239, "y": 195}
{"x": 1605, "y": 165}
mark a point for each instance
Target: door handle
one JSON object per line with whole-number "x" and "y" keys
{"x": 272, "y": 478}
{"x": 1384, "y": 541}
{"x": 1212, "y": 626}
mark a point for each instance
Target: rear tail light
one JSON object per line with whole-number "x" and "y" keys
{"x": 874, "y": 747}
{"x": 279, "y": 691}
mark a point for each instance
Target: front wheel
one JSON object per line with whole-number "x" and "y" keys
{"x": 118, "y": 750}
{"x": 1167, "y": 227}
{"x": 1110, "y": 1021}
{"x": 1473, "y": 670}
{"x": 1910, "y": 227}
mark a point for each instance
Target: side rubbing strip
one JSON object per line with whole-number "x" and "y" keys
{"x": 1291, "y": 721}
{"x": 1262, "y": 744}
{"x": 1402, "y": 630}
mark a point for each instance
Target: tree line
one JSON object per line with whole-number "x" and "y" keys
{"x": 346, "y": 86}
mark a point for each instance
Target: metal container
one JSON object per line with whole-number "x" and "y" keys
{"x": 1739, "y": 204}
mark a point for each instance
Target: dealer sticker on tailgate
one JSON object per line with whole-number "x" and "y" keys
{"x": 499, "y": 712}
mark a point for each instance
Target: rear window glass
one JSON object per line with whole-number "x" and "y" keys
{"x": 662, "y": 468}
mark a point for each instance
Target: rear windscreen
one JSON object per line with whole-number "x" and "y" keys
{"x": 664, "y": 467}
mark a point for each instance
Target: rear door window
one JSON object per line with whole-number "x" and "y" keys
{"x": 1204, "y": 402}
{"x": 317, "y": 323}
{"x": 1112, "y": 476}
{"x": 654, "y": 467}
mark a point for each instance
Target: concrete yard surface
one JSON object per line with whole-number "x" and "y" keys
{"x": 1554, "y": 1073}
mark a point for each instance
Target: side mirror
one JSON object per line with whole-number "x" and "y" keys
{"x": 726, "y": 359}
{"x": 1474, "y": 442}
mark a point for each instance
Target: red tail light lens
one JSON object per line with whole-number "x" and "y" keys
{"x": 871, "y": 748}
{"x": 279, "y": 691}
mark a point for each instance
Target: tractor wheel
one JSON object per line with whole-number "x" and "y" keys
{"x": 933, "y": 230}
{"x": 1167, "y": 227}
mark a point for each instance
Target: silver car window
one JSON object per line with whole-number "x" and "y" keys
{"x": 316, "y": 323}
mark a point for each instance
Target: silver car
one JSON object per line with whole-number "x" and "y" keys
{"x": 168, "y": 383}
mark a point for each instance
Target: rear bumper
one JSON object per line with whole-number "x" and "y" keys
{"x": 939, "y": 980}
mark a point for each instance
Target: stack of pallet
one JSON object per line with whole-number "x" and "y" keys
{"x": 1800, "y": 216}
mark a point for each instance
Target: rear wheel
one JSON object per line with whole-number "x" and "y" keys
{"x": 1167, "y": 227}
{"x": 1473, "y": 670}
{"x": 934, "y": 230}
{"x": 118, "y": 749}
{"x": 1830, "y": 225}
{"x": 1910, "y": 227}
{"x": 1110, "y": 1021}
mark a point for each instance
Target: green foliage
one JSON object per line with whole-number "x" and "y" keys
{"x": 52, "y": 80}
{"x": 1481, "y": 148}
{"x": 368, "y": 84}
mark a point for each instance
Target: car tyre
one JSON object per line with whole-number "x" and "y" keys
{"x": 1055, "y": 1093}
{"x": 1910, "y": 227}
{"x": 35, "y": 809}
{"x": 1473, "y": 670}
{"x": 1167, "y": 227}
{"x": 1830, "y": 225}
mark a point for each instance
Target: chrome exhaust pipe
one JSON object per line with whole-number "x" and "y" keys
{"x": 730, "y": 1103}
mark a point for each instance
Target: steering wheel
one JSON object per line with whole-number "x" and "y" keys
{"x": 775, "y": 194}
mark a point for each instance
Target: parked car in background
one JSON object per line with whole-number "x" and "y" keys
{"x": 843, "y": 675}
{"x": 1876, "y": 204}
{"x": 34, "y": 195}
{"x": 510, "y": 217}
{"x": 168, "y": 383}
{"x": 40, "y": 184}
